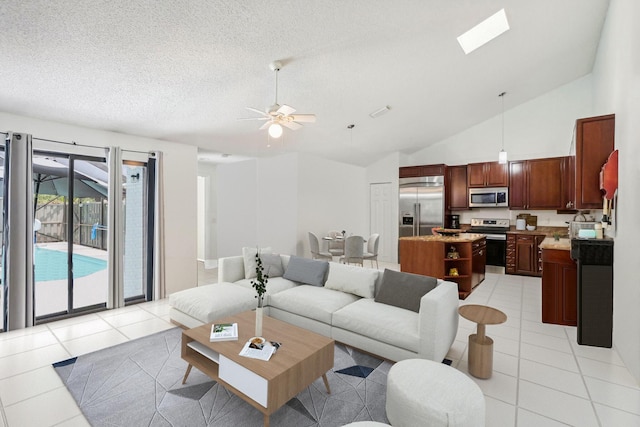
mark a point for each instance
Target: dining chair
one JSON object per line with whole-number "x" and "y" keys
{"x": 372, "y": 249}
{"x": 353, "y": 250}
{"x": 315, "y": 248}
{"x": 336, "y": 244}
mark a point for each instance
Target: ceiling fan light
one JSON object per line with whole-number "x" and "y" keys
{"x": 275, "y": 130}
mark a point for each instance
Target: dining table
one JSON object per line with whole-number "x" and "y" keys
{"x": 338, "y": 239}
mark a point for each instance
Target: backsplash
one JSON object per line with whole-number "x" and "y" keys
{"x": 545, "y": 218}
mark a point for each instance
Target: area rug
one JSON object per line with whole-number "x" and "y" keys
{"x": 139, "y": 383}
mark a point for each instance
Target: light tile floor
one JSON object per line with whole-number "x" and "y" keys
{"x": 542, "y": 377}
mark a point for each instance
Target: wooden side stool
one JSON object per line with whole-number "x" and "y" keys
{"x": 480, "y": 345}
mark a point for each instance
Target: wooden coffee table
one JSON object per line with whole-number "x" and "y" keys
{"x": 480, "y": 345}
{"x": 303, "y": 357}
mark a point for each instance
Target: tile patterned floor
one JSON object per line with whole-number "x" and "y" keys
{"x": 542, "y": 377}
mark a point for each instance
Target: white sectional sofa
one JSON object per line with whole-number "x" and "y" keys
{"x": 344, "y": 308}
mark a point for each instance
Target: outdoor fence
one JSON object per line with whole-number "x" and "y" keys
{"x": 89, "y": 223}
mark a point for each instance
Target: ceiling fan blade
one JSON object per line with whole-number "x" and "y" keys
{"x": 255, "y": 110}
{"x": 266, "y": 125}
{"x": 286, "y": 110}
{"x": 291, "y": 124}
{"x": 304, "y": 118}
{"x": 253, "y": 118}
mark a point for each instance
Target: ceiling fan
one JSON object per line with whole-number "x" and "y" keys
{"x": 277, "y": 115}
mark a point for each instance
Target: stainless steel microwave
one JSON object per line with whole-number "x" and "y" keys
{"x": 496, "y": 197}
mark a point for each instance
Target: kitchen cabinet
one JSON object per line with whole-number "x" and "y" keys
{"x": 457, "y": 196}
{"x": 510, "y": 266}
{"x": 559, "y": 288}
{"x": 489, "y": 174}
{"x": 424, "y": 170}
{"x": 541, "y": 183}
{"x": 594, "y": 143}
{"x": 523, "y": 254}
{"x": 478, "y": 261}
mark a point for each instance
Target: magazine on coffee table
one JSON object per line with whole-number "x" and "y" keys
{"x": 224, "y": 332}
{"x": 260, "y": 351}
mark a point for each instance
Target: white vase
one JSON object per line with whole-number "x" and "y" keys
{"x": 259, "y": 315}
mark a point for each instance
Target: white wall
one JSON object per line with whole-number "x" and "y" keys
{"x": 237, "y": 191}
{"x": 542, "y": 127}
{"x": 332, "y": 196}
{"x": 180, "y": 186}
{"x": 210, "y": 215}
{"x": 276, "y": 201}
{"x": 617, "y": 89}
{"x": 277, "y": 213}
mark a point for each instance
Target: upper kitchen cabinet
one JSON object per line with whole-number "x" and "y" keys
{"x": 489, "y": 174}
{"x": 594, "y": 143}
{"x": 541, "y": 183}
{"x": 424, "y": 170}
{"x": 456, "y": 188}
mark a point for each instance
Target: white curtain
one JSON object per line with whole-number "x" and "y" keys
{"x": 159, "y": 280}
{"x": 115, "y": 232}
{"x": 18, "y": 232}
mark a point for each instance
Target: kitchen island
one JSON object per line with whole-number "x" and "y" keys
{"x": 459, "y": 259}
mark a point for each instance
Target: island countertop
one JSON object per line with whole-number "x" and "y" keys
{"x": 461, "y": 238}
{"x": 562, "y": 244}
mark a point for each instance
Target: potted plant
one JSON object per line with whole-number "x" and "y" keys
{"x": 260, "y": 285}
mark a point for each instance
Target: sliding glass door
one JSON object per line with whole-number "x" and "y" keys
{"x": 70, "y": 251}
{"x": 3, "y": 305}
{"x": 138, "y": 230}
{"x": 88, "y": 245}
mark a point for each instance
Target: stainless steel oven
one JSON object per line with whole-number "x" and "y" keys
{"x": 495, "y": 230}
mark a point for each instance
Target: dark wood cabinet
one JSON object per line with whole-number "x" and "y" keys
{"x": 489, "y": 174}
{"x": 478, "y": 262}
{"x": 540, "y": 183}
{"x": 518, "y": 185}
{"x": 568, "y": 185}
{"x": 526, "y": 260}
{"x": 510, "y": 267}
{"x": 457, "y": 196}
{"x": 545, "y": 178}
{"x": 523, "y": 256}
{"x": 559, "y": 288}
{"x": 595, "y": 140}
{"x": 429, "y": 257}
{"x": 424, "y": 170}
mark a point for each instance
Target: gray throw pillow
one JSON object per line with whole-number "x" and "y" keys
{"x": 404, "y": 290}
{"x": 272, "y": 264}
{"x": 307, "y": 271}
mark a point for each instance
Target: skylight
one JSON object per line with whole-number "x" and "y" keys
{"x": 484, "y": 32}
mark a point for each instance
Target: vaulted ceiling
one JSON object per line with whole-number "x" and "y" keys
{"x": 184, "y": 70}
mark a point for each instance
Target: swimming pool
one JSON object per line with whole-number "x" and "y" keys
{"x": 52, "y": 265}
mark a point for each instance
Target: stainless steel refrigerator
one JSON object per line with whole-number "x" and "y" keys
{"x": 421, "y": 205}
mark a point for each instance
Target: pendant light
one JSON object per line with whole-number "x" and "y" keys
{"x": 502, "y": 155}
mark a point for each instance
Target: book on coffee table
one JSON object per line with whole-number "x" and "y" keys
{"x": 224, "y": 332}
{"x": 262, "y": 352}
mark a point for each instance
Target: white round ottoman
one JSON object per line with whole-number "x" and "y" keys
{"x": 366, "y": 424}
{"x": 426, "y": 393}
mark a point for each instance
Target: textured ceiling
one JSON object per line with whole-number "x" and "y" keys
{"x": 185, "y": 70}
